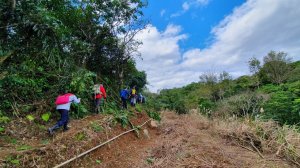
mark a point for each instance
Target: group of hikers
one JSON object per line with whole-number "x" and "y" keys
{"x": 131, "y": 94}
{"x": 64, "y": 100}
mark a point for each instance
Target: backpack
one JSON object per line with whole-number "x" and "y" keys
{"x": 96, "y": 89}
{"x": 63, "y": 99}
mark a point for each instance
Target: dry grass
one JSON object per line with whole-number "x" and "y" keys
{"x": 262, "y": 137}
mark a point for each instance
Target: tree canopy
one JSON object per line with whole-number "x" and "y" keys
{"x": 49, "y": 45}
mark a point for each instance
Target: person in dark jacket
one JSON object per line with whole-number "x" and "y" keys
{"x": 64, "y": 109}
{"x": 124, "y": 94}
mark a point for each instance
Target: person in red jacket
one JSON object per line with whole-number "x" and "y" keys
{"x": 99, "y": 96}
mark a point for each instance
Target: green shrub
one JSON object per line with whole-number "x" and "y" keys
{"x": 180, "y": 107}
{"x": 138, "y": 108}
{"x": 30, "y": 117}
{"x": 46, "y": 117}
{"x": 246, "y": 104}
{"x": 270, "y": 88}
{"x": 284, "y": 104}
{"x": 14, "y": 160}
{"x": 122, "y": 118}
{"x": 154, "y": 115}
{"x": 81, "y": 84}
{"x": 206, "y": 106}
{"x": 280, "y": 108}
{"x": 96, "y": 127}
{"x": 80, "y": 136}
{"x": 4, "y": 119}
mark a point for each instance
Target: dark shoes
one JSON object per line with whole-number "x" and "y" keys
{"x": 66, "y": 128}
{"x": 51, "y": 130}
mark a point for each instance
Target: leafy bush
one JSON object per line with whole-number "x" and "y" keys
{"x": 30, "y": 117}
{"x": 180, "y": 107}
{"x": 122, "y": 117}
{"x": 13, "y": 160}
{"x": 284, "y": 104}
{"x": 81, "y": 85}
{"x": 294, "y": 75}
{"x": 80, "y": 136}
{"x": 46, "y": 116}
{"x": 206, "y": 106}
{"x": 154, "y": 115}
{"x": 96, "y": 127}
{"x": 4, "y": 119}
{"x": 242, "y": 83}
{"x": 270, "y": 88}
{"x": 246, "y": 103}
{"x": 280, "y": 108}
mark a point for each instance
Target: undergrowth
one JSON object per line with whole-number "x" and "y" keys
{"x": 263, "y": 137}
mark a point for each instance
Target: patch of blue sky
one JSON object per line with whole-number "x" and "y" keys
{"x": 196, "y": 20}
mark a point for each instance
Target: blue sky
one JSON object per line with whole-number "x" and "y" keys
{"x": 197, "y": 21}
{"x": 186, "y": 38}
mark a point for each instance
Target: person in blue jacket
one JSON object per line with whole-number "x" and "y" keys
{"x": 124, "y": 94}
{"x": 64, "y": 109}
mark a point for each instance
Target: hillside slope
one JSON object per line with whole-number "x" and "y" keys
{"x": 179, "y": 141}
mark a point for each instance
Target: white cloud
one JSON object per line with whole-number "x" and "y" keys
{"x": 161, "y": 54}
{"x": 253, "y": 29}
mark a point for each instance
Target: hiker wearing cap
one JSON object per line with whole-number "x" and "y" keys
{"x": 99, "y": 96}
{"x": 124, "y": 94}
{"x": 63, "y": 103}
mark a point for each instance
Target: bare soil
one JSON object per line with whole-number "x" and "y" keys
{"x": 179, "y": 141}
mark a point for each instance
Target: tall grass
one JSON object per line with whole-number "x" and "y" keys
{"x": 270, "y": 137}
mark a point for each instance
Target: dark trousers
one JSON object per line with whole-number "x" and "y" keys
{"x": 124, "y": 103}
{"x": 99, "y": 103}
{"x": 64, "y": 118}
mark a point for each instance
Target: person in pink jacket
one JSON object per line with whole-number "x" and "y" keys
{"x": 63, "y": 108}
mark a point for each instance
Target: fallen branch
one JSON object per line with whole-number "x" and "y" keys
{"x": 102, "y": 144}
{"x": 252, "y": 143}
{"x": 244, "y": 147}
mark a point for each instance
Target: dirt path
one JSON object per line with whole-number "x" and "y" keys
{"x": 180, "y": 141}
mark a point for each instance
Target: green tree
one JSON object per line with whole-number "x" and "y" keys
{"x": 45, "y": 45}
{"x": 209, "y": 77}
{"x": 254, "y": 65}
{"x": 276, "y": 67}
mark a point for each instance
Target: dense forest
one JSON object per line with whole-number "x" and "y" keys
{"x": 48, "y": 46}
{"x": 271, "y": 92}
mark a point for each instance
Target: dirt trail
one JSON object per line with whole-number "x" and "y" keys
{"x": 179, "y": 141}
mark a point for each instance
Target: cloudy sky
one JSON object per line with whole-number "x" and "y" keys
{"x": 188, "y": 37}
